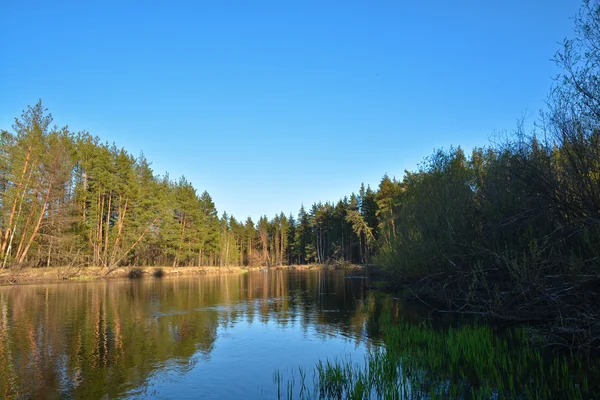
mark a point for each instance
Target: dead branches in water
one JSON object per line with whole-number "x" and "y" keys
{"x": 565, "y": 309}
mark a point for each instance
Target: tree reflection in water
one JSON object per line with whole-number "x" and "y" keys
{"x": 109, "y": 338}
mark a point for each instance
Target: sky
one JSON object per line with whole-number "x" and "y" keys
{"x": 268, "y": 105}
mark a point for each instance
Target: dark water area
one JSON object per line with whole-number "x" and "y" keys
{"x": 210, "y": 337}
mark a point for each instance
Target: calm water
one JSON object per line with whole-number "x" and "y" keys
{"x": 190, "y": 337}
{"x": 229, "y": 336}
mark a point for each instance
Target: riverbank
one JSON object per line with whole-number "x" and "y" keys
{"x": 70, "y": 274}
{"x": 558, "y": 311}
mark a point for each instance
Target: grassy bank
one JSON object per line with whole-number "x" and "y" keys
{"x": 560, "y": 312}
{"x": 69, "y": 274}
{"x": 66, "y": 274}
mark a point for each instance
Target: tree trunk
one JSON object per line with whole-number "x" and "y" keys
{"x": 39, "y": 222}
{"x": 106, "y": 226}
{"x": 120, "y": 224}
{"x": 14, "y": 206}
{"x": 139, "y": 239}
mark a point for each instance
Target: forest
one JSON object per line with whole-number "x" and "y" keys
{"x": 68, "y": 199}
{"x": 510, "y": 230}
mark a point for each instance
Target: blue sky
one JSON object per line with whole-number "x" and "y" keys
{"x": 267, "y": 105}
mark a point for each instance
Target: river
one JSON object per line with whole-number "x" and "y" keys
{"x": 211, "y": 337}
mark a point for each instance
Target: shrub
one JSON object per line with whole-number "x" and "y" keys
{"x": 158, "y": 273}
{"x": 135, "y": 273}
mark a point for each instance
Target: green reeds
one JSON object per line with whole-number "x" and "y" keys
{"x": 469, "y": 362}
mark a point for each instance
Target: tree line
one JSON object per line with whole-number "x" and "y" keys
{"x": 513, "y": 230}
{"x": 69, "y": 199}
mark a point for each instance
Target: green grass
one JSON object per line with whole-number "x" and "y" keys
{"x": 469, "y": 362}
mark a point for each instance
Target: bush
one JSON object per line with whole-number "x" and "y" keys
{"x": 158, "y": 273}
{"x": 135, "y": 273}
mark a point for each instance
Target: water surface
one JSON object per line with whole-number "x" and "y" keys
{"x": 218, "y": 336}
{"x": 251, "y": 335}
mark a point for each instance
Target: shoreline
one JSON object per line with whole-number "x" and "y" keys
{"x": 26, "y": 276}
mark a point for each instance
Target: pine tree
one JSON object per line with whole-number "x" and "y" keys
{"x": 209, "y": 245}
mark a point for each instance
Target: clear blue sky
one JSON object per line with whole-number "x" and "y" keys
{"x": 268, "y": 105}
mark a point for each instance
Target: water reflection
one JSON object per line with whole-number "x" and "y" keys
{"x": 217, "y": 335}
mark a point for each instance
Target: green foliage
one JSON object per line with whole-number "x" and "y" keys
{"x": 471, "y": 361}
{"x": 69, "y": 199}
